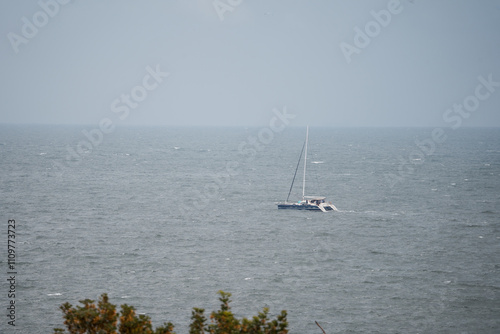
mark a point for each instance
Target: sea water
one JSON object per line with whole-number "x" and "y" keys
{"x": 163, "y": 218}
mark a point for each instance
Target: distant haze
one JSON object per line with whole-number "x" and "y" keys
{"x": 231, "y": 62}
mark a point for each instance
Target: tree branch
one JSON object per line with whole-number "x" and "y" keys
{"x": 320, "y": 327}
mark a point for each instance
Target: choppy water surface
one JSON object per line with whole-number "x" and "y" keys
{"x": 163, "y": 218}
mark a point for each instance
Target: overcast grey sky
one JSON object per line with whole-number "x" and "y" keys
{"x": 230, "y": 62}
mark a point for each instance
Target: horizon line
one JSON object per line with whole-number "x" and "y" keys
{"x": 247, "y": 126}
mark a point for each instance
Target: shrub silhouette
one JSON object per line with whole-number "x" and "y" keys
{"x": 103, "y": 319}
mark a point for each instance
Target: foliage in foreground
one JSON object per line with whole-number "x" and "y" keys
{"x": 103, "y": 319}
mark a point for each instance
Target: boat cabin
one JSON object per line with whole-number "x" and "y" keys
{"x": 316, "y": 200}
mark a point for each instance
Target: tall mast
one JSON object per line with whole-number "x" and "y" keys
{"x": 305, "y": 163}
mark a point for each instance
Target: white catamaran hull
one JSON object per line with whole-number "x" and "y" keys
{"x": 313, "y": 207}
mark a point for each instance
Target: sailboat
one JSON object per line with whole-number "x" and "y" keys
{"x": 315, "y": 203}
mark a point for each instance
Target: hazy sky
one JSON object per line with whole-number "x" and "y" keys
{"x": 230, "y": 62}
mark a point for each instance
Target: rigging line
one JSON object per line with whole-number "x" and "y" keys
{"x": 296, "y": 168}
